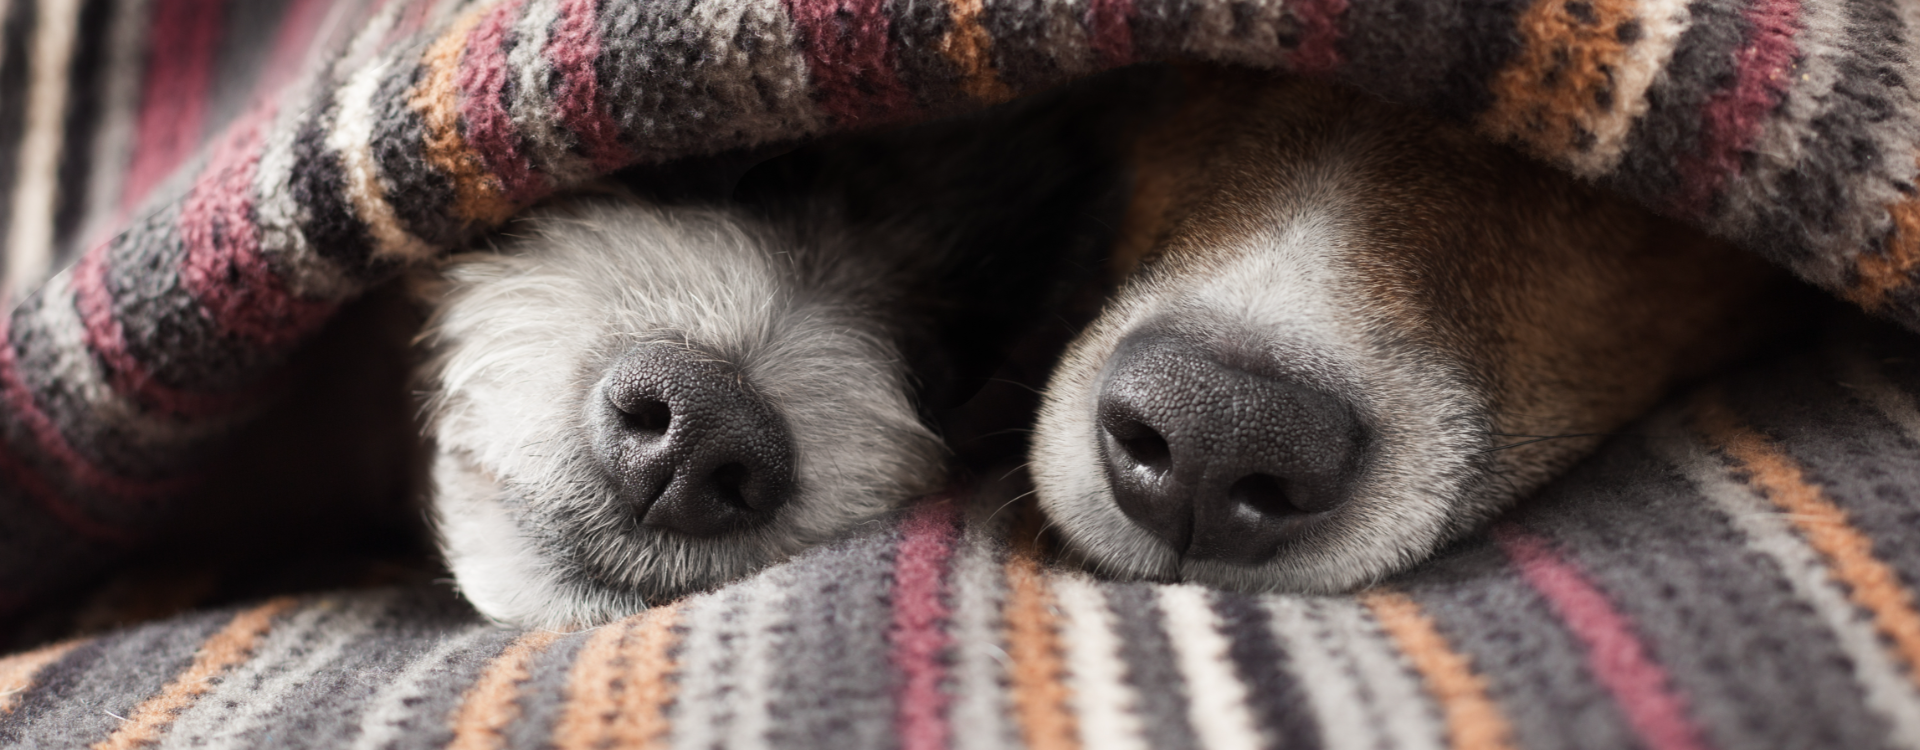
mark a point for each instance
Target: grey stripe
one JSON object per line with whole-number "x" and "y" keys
{"x": 1533, "y": 667}
{"x": 1755, "y": 665}
{"x": 1151, "y": 667}
{"x": 112, "y": 144}
{"x": 833, "y": 690}
{"x": 245, "y": 709}
{"x": 412, "y": 708}
{"x": 1364, "y": 696}
{"x": 542, "y": 699}
{"x": 95, "y": 688}
{"x": 1889, "y": 692}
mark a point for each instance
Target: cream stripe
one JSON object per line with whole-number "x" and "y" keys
{"x": 112, "y": 145}
{"x": 1888, "y": 692}
{"x": 1661, "y": 24}
{"x": 352, "y": 138}
{"x": 760, "y": 645}
{"x": 1341, "y": 705}
{"x": 220, "y": 652}
{"x": 1217, "y": 706}
{"x": 293, "y": 654}
{"x": 391, "y": 711}
{"x": 707, "y": 669}
{"x": 1405, "y": 712}
{"x": 981, "y": 704}
{"x": 1066, "y": 38}
{"x": 1106, "y": 704}
{"x": 37, "y": 174}
{"x": 1244, "y": 33}
{"x": 19, "y": 671}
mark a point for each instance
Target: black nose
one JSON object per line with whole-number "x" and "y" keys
{"x": 1221, "y": 463}
{"x": 687, "y": 444}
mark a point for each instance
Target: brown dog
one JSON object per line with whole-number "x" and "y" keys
{"x": 1346, "y": 332}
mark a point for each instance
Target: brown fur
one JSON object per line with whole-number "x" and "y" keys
{"x": 1562, "y": 310}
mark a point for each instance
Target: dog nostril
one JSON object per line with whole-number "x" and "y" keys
{"x": 1265, "y": 494}
{"x": 1145, "y": 446}
{"x": 687, "y": 445}
{"x": 727, "y": 483}
{"x": 646, "y": 415}
{"x": 1236, "y": 464}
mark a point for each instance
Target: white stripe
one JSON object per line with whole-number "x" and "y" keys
{"x": 1217, "y": 699}
{"x": 1888, "y": 691}
{"x": 119, "y": 104}
{"x": 768, "y": 598}
{"x": 981, "y": 702}
{"x": 391, "y": 712}
{"x": 352, "y": 138}
{"x": 707, "y": 662}
{"x": 291, "y": 655}
{"x": 1661, "y": 24}
{"x": 1407, "y": 714}
{"x": 1342, "y": 706}
{"x": 532, "y": 106}
{"x": 37, "y": 176}
{"x": 1107, "y": 706}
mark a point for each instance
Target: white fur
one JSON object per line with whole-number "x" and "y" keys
{"x": 529, "y": 524}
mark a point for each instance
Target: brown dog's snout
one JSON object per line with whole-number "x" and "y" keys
{"x": 1220, "y": 462}
{"x": 690, "y": 448}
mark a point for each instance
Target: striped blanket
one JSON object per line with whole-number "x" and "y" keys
{"x": 216, "y": 180}
{"x": 1728, "y": 574}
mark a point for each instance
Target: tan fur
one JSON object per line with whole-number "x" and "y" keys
{"x": 1555, "y": 308}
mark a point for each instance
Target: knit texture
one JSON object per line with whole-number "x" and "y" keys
{"x": 1728, "y": 573}
{"x": 218, "y": 177}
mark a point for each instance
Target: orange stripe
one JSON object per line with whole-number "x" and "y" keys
{"x": 225, "y": 649}
{"x": 621, "y": 685}
{"x": 478, "y": 195}
{"x": 17, "y": 671}
{"x": 1550, "y": 91}
{"x": 1882, "y": 273}
{"x": 494, "y": 701}
{"x": 1871, "y": 584}
{"x": 968, "y": 45}
{"x": 1473, "y": 720}
{"x": 1040, "y": 692}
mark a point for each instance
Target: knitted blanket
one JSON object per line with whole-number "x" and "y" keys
{"x": 1730, "y": 573}
{"x": 219, "y": 178}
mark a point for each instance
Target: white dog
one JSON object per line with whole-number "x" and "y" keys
{"x": 632, "y": 400}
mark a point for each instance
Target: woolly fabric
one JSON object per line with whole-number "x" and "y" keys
{"x": 1727, "y": 574}
{"x": 219, "y": 176}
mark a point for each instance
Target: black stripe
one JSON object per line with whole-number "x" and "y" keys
{"x": 1275, "y": 697}
{"x": 1703, "y": 61}
{"x": 1148, "y": 654}
{"x": 16, "y": 36}
{"x": 1437, "y": 55}
{"x": 86, "y": 87}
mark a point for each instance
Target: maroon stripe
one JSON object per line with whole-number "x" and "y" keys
{"x": 573, "y": 49}
{"x": 1319, "y": 50}
{"x": 26, "y": 410}
{"x": 850, "y": 59}
{"x": 183, "y": 42}
{"x": 483, "y": 86}
{"x": 1110, "y": 31}
{"x": 19, "y": 474}
{"x": 920, "y": 615}
{"x": 292, "y": 44}
{"x": 223, "y": 267}
{"x": 1732, "y": 117}
{"x": 107, "y": 340}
